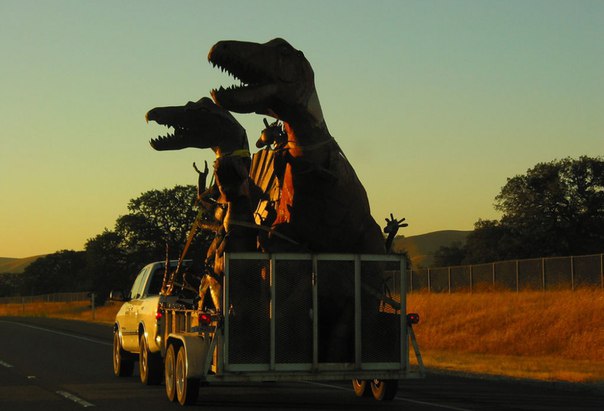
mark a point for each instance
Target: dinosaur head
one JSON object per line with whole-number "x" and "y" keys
{"x": 202, "y": 124}
{"x": 276, "y": 79}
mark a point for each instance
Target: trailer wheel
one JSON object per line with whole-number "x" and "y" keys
{"x": 169, "y": 373}
{"x": 361, "y": 388}
{"x": 187, "y": 389}
{"x": 123, "y": 365}
{"x": 149, "y": 364}
{"x": 384, "y": 390}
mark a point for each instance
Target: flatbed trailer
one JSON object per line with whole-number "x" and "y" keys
{"x": 296, "y": 317}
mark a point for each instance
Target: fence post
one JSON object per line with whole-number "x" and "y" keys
{"x": 449, "y": 278}
{"x": 429, "y": 282}
{"x": 602, "y": 269}
{"x": 493, "y": 275}
{"x": 23, "y": 304}
{"x": 471, "y": 279}
{"x": 517, "y": 278}
{"x": 543, "y": 273}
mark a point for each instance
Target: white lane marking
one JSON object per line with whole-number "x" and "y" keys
{"x": 75, "y": 399}
{"x": 327, "y": 385}
{"x": 60, "y": 333}
{"x": 446, "y": 407}
{"x": 5, "y": 364}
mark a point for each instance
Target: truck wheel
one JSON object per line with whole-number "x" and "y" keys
{"x": 361, "y": 388}
{"x": 187, "y": 389}
{"x": 149, "y": 364}
{"x": 169, "y": 373}
{"x": 384, "y": 390}
{"x": 123, "y": 365}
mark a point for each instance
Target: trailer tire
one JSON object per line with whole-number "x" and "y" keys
{"x": 149, "y": 364}
{"x": 361, "y": 388}
{"x": 123, "y": 365}
{"x": 187, "y": 389}
{"x": 169, "y": 372}
{"x": 384, "y": 390}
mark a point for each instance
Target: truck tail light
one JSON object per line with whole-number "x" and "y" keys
{"x": 159, "y": 314}
{"x": 205, "y": 319}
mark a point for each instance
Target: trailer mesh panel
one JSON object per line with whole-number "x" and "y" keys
{"x": 293, "y": 312}
{"x": 380, "y": 312}
{"x": 249, "y": 298}
{"x": 335, "y": 281}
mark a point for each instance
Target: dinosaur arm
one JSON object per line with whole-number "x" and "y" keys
{"x": 392, "y": 227}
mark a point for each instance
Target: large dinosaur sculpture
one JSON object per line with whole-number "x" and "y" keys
{"x": 320, "y": 204}
{"x": 323, "y": 204}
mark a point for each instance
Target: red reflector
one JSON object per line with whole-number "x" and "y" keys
{"x": 205, "y": 319}
{"x": 158, "y": 315}
{"x": 412, "y": 318}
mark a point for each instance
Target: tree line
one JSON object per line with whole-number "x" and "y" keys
{"x": 555, "y": 209}
{"x": 158, "y": 221}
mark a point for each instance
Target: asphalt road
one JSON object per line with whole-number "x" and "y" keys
{"x": 49, "y": 364}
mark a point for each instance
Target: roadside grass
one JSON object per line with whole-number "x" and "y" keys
{"x": 514, "y": 366}
{"x": 554, "y": 335}
{"x": 78, "y": 310}
{"x": 551, "y": 336}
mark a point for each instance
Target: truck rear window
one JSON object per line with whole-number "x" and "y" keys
{"x": 156, "y": 280}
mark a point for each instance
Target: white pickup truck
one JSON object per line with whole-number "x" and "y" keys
{"x": 137, "y": 331}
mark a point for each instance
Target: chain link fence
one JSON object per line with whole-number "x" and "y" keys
{"x": 29, "y": 304}
{"x": 554, "y": 273}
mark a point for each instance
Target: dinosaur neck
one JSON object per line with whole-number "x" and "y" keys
{"x": 307, "y": 129}
{"x": 227, "y": 147}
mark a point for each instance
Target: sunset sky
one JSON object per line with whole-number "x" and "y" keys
{"x": 435, "y": 103}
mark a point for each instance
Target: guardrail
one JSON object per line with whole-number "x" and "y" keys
{"x": 552, "y": 273}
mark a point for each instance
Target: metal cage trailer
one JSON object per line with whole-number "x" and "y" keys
{"x": 297, "y": 317}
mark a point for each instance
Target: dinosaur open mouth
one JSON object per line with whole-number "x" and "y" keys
{"x": 174, "y": 140}
{"x": 254, "y": 85}
{"x": 168, "y": 142}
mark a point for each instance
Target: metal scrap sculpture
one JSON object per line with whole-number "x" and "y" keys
{"x": 299, "y": 193}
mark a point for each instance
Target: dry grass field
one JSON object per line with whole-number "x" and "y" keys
{"x": 557, "y": 335}
{"x": 79, "y": 310}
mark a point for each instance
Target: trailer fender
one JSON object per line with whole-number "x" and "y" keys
{"x": 196, "y": 351}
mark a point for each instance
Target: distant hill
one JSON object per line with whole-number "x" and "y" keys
{"x": 421, "y": 247}
{"x": 16, "y": 265}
